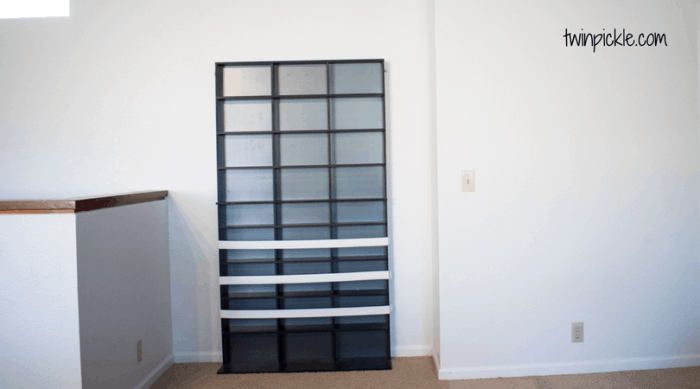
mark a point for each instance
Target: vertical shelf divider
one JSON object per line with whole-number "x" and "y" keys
{"x": 386, "y": 194}
{"x": 331, "y": 218}
{"x": 277, "y": 212}
{"x": 221, "y": 162}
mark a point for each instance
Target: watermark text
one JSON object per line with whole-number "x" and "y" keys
{"x": 613, "y": 39}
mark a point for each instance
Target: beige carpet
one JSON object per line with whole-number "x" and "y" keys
{"x": 418, "y": 372}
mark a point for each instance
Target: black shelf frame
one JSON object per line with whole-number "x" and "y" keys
{"x": 279, "y": 261}
{"x": 312, "y": 329}
{"x": 307, "y": 259}
{"x": 292, "y": 132}
{"x": 302, "y": 225}
{"x": 304, "y": 166}
{"x": 301, "y": 97}
{"x": 335, "y": 291}
{"x": 363, "y": 200}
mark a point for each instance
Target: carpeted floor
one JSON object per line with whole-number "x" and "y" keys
{"x": 419, "y": 372}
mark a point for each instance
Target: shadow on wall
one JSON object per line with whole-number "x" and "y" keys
{"x": 194, "y": 275}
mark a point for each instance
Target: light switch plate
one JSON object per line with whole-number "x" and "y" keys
{"x": 468, "y": 181}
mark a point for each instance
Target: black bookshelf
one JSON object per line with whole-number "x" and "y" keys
{"x": 301, "y": 155}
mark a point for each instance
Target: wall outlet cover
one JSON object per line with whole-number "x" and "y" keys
{"x": 577, "y": 332}
{"x": 468, "y": 181}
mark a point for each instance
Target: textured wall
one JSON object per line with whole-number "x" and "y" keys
{"x": 586, "y": 201}
{"x": 124, "y": 293}
{"x": 40, "y": 342}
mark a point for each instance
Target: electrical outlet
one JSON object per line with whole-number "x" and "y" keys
{"x": 139, "y": 356}
{"x": 468, "y": 181}
{"x": 577, "y": 332}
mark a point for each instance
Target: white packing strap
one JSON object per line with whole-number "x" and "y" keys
{"x": 297, "y": 313}
{"x": 301, "y": 244}
{"x": 305, "y": 278}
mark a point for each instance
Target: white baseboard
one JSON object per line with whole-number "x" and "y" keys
{"x": 153, "y": 376}
{"x": 584, "y": 367}
{"x": 198, "y": 356}
{"x": 411, "y": 351}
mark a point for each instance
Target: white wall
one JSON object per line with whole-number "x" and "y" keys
{"x": 586, "y": 201}
{"x": 124, "y": 294}
{"x": 40, "y": 342}
{"x": 120, "y": 97}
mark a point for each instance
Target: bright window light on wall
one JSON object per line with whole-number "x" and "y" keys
{"x": 14, "y": 9}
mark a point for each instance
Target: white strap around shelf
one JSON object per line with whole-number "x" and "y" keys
{"x": 305, "y": 278}
{"x": 301, "y": 244}
{"x": 296, "y": 313}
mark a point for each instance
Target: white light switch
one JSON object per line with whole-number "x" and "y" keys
{"x": 468, "y": 181}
